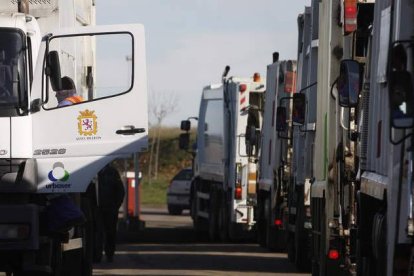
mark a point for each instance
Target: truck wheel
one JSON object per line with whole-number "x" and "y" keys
{"x": 213, "y": 218}
{"x": 175, "y": 210}
{"x": 403, "y": 259}
{"x": 270, "y": 232}
{"x": 302, "y": 260}
{"x": 291, "y": 248}
{"x": 197, "y": 221}
{"x": 87, "y": 233}
{"x": 261, "y": 223}
{"x": 315, "y": 269}
{"x": 223, "y": 226}
{"x": 79, "y": 261}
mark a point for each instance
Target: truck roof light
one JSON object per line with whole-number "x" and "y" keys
{"x": 290, "y": 78}
{"x": 256, "y": 77}
{"x": 333, "y": 254}
{"x": 350, "y": 16}
{"x": 242, "y": 87}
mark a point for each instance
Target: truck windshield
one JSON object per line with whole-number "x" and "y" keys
{"x": 13, "y": 85}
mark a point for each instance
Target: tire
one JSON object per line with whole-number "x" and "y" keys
{"x": 199, "y": 224}
{"x": 213, "y": 217}
{"x": 261, "y": 223}
{"x": 175, "y": 210}
{"x": 302, "y": 260}
{"x": 79, "y": 261}
{"x": 87, "y": 238}
{"x": 223, "y": 223}
{"x": 291, "y": 248}
{"x": 271, "y": 233}
{"x": 379, "y": 242}
{"x": 315, "y": 269}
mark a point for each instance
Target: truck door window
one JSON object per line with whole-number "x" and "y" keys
{"x": 100, "y": 66}
{"x": 13, "y": 95}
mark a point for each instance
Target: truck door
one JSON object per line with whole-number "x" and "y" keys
{"x": 74, "y": 135}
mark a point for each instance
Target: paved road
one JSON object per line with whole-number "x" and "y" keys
{"x": 168, "y": 246}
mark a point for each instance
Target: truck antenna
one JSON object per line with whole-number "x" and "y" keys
{"x": 226, "y": 71}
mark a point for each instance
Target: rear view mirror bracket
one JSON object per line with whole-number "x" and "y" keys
{"x": 411, "y": 134}
{"x": 310, "y": 127}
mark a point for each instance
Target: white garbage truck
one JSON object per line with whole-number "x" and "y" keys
{"x": 303, "y": 141}
{"x": 385, "y": 145}
{"x": 47, "y": 150}
{"x": 332, "y": 107}
{"x": 274, "y": 172}
{"x": 223, "y": 192}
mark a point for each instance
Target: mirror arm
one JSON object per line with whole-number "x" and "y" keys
{"x": 401, "y": 140}
{"x": 332, "y": 87}
{"x": 284, "y": 99}
{"x": 342, "y": 117}
{"x": 307, "y": 87}
{"x": 284, "y": 137}
{"x": 306, "y": 130}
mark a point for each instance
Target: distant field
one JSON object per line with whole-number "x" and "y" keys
{"x": 154, "y": 194}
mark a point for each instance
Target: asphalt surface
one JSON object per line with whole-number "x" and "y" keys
{"x": 168, "y": 246}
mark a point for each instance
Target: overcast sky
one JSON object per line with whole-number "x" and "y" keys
{"x": 189, "y": 42}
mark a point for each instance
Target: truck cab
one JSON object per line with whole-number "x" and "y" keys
{"x": 47, "y": 149}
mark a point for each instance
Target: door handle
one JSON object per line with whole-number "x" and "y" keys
{"x": 129, "y": 130}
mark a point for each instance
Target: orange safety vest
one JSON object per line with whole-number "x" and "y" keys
{"x": 74, "y": 99}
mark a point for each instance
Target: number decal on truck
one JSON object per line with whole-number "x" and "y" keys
{"x": 49, "y": 151}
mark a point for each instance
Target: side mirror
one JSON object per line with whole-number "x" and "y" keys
{"x": 349, "y": 83}
{"x": 400, "y": 89}
{"x": 53, "y": 70}
{"x": 281, "y": 124}
{"x": 185, "y": 125}
{"x": 299, "y": 108}
{"x": 184, "y": 141}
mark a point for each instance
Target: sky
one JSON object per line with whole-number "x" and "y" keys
{"x": 189, "y": 42}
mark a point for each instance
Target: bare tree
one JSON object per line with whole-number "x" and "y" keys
{"x": 161, "y": 105}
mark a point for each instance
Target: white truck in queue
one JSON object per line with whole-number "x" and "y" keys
{"x": 46, "y": 150}
{"x": 385, "y": 125}
{"x": 223, "y": 191}
{"x": 275, "y": 155}
{"x": 361, "y": 193}
{"x": 303, "y": 142}
{"x": 341, "y": 39}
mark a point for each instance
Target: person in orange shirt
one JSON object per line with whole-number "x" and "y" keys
{"x": 67, "y": 96}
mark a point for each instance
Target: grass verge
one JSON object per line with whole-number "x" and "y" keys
{"x": 154, "y": 193}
